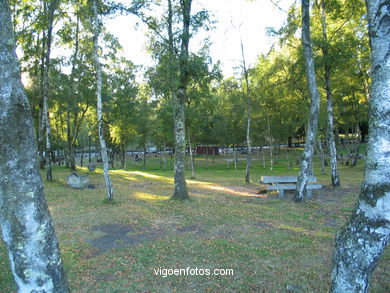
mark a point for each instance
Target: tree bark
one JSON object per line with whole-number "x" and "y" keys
{"x": 180, "y": 99}
{"x": 249, "y": 117}
{"x": 103, "y": 147}
{"x": 312, "y": 126}
{"x": 360, "y": 244}
{"x": 45, "y": 89}
{"x": 26, "y": 225}
{"x": 335, "y": 178}
{"x": 71, "y": 139}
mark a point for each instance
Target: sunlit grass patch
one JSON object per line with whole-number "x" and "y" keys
{"x": 149, "y": 196}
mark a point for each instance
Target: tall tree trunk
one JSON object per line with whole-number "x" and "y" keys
{"x": 335, "y": 178}
{"x": 42, "y": 121}
{"x": 45, "y": 89}
{"x": 360, "y": 244}
{"x": 25, "y": 220}
{"x": 103, "y": 147}
{"x": 180, "y": 99}
{"x": 235, "y": 157}
{"x": 191, "y": 156}
{"x": 312, "y": 126}
{"x": 71, "y": 91}
{"x": 249, "y": 117}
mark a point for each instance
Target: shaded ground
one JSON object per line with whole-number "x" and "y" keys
{"x": 120, "y": 236}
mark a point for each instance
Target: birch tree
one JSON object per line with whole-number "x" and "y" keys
{"x": 26, "y": 225}
{"x": 361, "y": 242}
{"x": 180, "y": 99}
{"x": 103, "y": 147}
{"x": 312, "y": 126}
{"x": 45, "y": 83}
{"x": 249, "y": 117}
{"x": 335, "y": 179}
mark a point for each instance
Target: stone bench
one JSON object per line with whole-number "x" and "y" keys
{"x": 77, "y": 182}
{"x": 282, "y": 183}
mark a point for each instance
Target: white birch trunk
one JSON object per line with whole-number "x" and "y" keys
{"x": 311, "y": 132}
{"x": 249, "y": 116}
{"x": 179, "y": 167}
{"x": 360, "y": 244}
{"x": 26, "y": 226}
{"x": 103, "y": 147}
{"x": 180, "y": 97}
{"x": 45, "y": 89}
{"x": 335, "y": 178}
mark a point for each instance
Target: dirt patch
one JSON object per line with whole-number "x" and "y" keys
{"x": 119, "y": 236}
{"x": 190, "y": 229}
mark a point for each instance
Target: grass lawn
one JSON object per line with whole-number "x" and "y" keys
{"x": 270, "y": 243}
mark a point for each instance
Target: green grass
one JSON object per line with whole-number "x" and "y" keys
{"x": 269, "y": 243}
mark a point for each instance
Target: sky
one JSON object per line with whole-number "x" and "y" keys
{"x": 235, "y": 18}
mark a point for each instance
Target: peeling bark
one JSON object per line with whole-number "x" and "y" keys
{"x": 26, "y": 225}
{"x": 312, "y": 126}
{"x": 103, "y": 148}
{"x": 361, "y": 242}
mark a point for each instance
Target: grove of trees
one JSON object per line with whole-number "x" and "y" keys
{"x": 82, "y": 92}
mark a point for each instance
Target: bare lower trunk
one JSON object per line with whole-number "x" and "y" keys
{"x": 335, "y": 178}
{"x": 25, "y": 220}
{"x": 103, "y": 147}
{"x": 311, "y": 134}
{"x": 179, "y": 174}
{"x": 360, "y": 244}
{"x": 178, "y": 90}
{"x": 144, "y": 156}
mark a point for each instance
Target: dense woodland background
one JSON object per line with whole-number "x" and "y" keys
{"x": 139, "y": 115}
{"x": 88, "y": 103}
